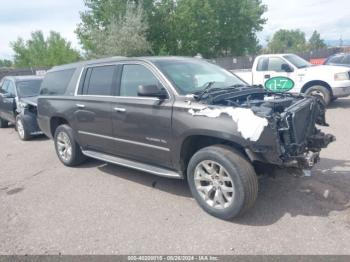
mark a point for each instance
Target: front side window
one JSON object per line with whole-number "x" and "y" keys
{"x": 133, "y": 76}
{"x": 4, "y": 86}
{"x": 28, "y": 88}
{"x": 100, "y": 80}
{"x": 11, "y": 88}
{"x": 192, "y": 76}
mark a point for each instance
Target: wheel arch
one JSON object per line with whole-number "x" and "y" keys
{"x": 317, "y": 83}
{"x": 193, "y": 143}
{"x": 55, "y": 122}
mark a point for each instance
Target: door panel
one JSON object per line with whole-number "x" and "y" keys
{"x": 93, "y": 110}
{"x": 271, "y": 67}
{"x": 93, "y": 121}
{"x": 141, "y": 125}
{"x": 143, "y": 128}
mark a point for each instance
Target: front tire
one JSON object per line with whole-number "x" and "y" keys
{"x": 67, "y": 149}
{"x": 23, "y": 134}
{"x": 321, "y": 92}
{"x": 222, "y": 181}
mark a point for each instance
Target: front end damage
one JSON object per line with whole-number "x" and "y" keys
{"x": 291, "y": 138}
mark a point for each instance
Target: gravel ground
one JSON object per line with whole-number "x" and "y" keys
{"x": 46, "y": 208}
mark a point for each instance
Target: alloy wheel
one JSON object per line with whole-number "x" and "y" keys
{"x": 214, "y": 184}
{"x": 64, "y": 146}
{"x": 20, "y": 128}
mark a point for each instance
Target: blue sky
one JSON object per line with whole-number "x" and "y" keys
{"x": 20, "y": 17}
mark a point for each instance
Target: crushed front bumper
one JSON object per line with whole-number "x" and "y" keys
{"x": 292, "y": 139}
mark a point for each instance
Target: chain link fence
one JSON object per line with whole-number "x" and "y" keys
{"x": 22, "y": 71}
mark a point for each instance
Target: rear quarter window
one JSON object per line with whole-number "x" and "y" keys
{"x": 56, "y": 83}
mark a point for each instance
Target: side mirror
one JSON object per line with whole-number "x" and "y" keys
{"x": 8, "y": 95}
{"x": 286, "y": 68}
{"x": 152, "y": 91}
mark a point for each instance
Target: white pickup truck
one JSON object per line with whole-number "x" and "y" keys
{"x": 329, "y": 82}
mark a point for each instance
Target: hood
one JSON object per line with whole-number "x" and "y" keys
{"x": 326, "y": 69}
{"x": 30, "y": 100}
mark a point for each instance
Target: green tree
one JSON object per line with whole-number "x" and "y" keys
{"x": 125, "y": 36}
{"x": 315, "y": 42}
{"x": 5, "y": 63}
{"x": 219, "y": 27}
{"x": 99, "y": 14}
{"x": 287, "y": 41}
{"x": 38, "y": 51}
{"x": 184, "y": 27}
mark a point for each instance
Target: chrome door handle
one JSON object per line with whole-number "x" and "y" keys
{"x": 80, "y": 106}
{"x": 118, "y": 109}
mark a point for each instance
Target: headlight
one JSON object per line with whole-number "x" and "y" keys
{"x": 341, "y": 76}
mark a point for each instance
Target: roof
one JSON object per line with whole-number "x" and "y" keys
{"x": 276, "y": 54}
{"x": 151, "y": 59}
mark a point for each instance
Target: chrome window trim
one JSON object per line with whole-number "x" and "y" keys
{"x": 124, "y": 97}
{"x": 155, "y": 71}
{"x": 125, "y": 141}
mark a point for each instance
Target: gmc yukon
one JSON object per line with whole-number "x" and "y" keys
{"x": 180, "y": 118}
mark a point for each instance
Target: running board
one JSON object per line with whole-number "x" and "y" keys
{"x": 133, "y": 164}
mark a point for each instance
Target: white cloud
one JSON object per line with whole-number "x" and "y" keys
{"x": 21, "y": 17}
{"x": 330, "y": 18}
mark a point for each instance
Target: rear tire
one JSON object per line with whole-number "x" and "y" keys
{"x": 222, "y": 181}
{"x": 23, "y": 134}
{"x": 3, "y": 123}
{"x": 67, "y": 149}
{"x": 321, "y": 92}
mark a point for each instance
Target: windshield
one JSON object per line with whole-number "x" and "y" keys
{"x": 191, "y": 76}
{"x": 28, "y": 88}
{"x": 297, "y": 61}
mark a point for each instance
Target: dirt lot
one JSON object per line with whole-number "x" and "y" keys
{"x": 46, "y": 208}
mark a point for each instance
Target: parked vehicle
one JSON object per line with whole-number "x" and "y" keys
{"x": 341, "y": 59}
{"x": 18, "y": 104}
{"x": 326, "y": 81}
{"x": 179, "y": 118}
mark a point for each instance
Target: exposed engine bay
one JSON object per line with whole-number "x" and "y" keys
{"x": 293, "y": 117}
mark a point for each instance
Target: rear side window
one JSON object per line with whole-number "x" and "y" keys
{"x": 56, "y": 83}
{"x": 262, "y": 64}
{"x": 100, "y": 80}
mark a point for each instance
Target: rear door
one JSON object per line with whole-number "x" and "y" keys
{"x": 93, "y": 108}
{"x": 142, "y": 125}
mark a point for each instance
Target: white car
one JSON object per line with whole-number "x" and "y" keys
{"x": 327, "y": 81}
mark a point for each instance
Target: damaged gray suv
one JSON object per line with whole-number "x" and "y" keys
{"x": 180, "y": 118}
